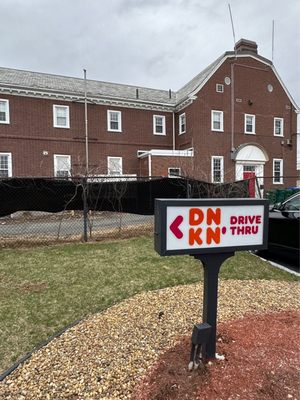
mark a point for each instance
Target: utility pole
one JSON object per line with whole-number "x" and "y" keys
{"x": 86, "y": 127}
{"x": 85, "y": 179}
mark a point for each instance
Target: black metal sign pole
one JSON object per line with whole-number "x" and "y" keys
{"x": 211, "y": 264}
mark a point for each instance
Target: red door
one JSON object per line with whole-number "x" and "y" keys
{"x": 251, "y": 176}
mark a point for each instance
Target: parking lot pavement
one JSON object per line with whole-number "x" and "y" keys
{"x": 282, "y": 263}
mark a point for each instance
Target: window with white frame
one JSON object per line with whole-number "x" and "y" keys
{"x": 174, "y": 172}
{"x": 278, "y": 126}
{"x": 62, "y": 165}
{"x": 5, "y": 165}
{"x": 114, "y": 166}
{"x": 61, "y": 117}
{"x": 277, "y": 170}
{"x": 250, "y": 124}
{"x": 219, "y": 88}
{"x": 114, "y": 121}
{"x": 217, "y": 121}
{"x": 217, "y": 169}
{"x": 4, "y": 111}
{"x": 159, "y": 124}
{"x": 182, "y": 124}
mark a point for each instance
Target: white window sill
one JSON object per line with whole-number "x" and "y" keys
{"x": 250, "y": 133}
{"x": 61, "y": 127}
{"x": 4, "y": 122}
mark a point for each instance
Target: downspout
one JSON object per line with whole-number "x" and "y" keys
{"x": 232, "y": 110}
{"x": 149, "y": 165}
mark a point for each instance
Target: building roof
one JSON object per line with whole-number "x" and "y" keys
{"x": 97, "y": 90}
{"x": 75, "y": 86}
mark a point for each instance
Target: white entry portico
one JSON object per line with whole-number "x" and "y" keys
{"x": 250, "y": 159}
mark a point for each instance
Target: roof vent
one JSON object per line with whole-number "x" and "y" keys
{"x": 246, "y": 45}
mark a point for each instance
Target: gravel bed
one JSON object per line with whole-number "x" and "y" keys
{"x": 105, "y": 356}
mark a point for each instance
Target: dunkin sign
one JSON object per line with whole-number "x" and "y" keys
{"x": 207, "y": 226}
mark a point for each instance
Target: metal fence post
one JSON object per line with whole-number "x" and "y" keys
{"x": 85, "y": 209}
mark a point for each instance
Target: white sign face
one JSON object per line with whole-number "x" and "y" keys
{"x": 203, "y": 227}
{"x": 191, "y": 226}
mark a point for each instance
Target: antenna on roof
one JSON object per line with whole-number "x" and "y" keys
{"x": 273, "y": 34}
{"x": 232, "y": 28}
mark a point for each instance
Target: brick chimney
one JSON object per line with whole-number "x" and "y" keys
{"x": 245, "y": 45}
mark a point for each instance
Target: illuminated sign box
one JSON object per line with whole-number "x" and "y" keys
{"x": 201, "y": 226}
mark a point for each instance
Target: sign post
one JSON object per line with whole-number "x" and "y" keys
{"x": 211, "y": 230}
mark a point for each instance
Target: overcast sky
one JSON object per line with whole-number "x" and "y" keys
{"x": 153, "y": 43}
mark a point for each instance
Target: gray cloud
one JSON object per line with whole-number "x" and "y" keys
{"x": 154, "y": 43}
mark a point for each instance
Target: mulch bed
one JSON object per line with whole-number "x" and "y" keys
{"x": 262, "y": 361}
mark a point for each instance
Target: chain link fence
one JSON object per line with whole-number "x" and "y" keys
{"x": 47, "y": 211}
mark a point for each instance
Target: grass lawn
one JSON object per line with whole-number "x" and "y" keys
{"x": 44, "y": 289}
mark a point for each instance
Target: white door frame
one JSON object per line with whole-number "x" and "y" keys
{"x": 255, "y": 155}
{"x": 259, "y": 173}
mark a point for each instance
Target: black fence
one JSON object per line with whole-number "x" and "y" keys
{"x": 47, "y": 210}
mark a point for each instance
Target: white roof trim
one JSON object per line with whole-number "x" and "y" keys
{"x": 297, "y": 109}
{"x": 168, "y": 153}
{"x": 198, "y": 88}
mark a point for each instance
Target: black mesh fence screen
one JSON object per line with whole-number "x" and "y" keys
{"x": 37, "y": 210}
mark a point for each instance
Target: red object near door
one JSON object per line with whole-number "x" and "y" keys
{"x": 251, "y": 176}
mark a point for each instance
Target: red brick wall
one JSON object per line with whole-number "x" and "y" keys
{"x": 160, "y": 165}
{"x": 249, "y": 84}
{"x": 31, "y": 131}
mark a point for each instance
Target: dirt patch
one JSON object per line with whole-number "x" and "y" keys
{"x": 262, "y": 355}
{"x": 30, "y": 287}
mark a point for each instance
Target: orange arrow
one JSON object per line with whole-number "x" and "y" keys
{"x": 174, "y": 227}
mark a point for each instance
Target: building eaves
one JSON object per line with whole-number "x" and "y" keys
{"x": 101, "y": 91}
{"x": 75, "y": 86}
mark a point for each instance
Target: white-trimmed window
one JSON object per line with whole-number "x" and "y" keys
{"x": 62, "y": 165}
{"x": 217, "y": 121}
{"x": 114, "y": 121}
{"x": 278, "y": 126}
{"x": 182, "y": 124}
{"x": 250, "y": 124}
{"x": 174, "y": 172}
{"x": 217, "y": 169}
{"x": 219, "y": 88}
{"x": 159, "y": 125}
{"x": 61, "y": 116}
{"x": 114, "y": 166}
{"x": 277, "y": 170}
{"x": 4, "y": 111}
{"x": 5, "y": 165}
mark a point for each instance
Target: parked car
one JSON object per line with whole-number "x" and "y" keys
{"x": 284, "y": 230}
{"x": 289, "y": 208}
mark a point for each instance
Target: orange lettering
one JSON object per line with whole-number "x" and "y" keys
{"x": 213, "y": 216}
{"x": 194, "y": 236}
{"x": 196, "y": 216}
{"x": 213, "y": 235}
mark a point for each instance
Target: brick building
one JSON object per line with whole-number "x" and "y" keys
{"x": 234, "y": 120}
